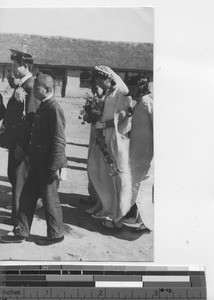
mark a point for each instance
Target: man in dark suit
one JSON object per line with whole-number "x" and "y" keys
{"x": 47, "y": 158}
{"x": 17, "y": 122}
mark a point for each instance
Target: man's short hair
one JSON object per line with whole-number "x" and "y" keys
{"x": 45, "y": 79}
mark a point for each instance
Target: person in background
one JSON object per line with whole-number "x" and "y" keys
{"x": 17, "y": 122}
{"x": 141, "y": 155}
{"x": 47, "y": 158}
{"x": 109, "y": 158}
{"x": 13, "y": 82}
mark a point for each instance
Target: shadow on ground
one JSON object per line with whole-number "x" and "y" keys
{"x": 4, "y": 178}
{"x": 77, "y": 160}
{"x": 76, "y": 144}
{"x": 74, "y": 206}
{"x": 5, "y": 195}
{"x": 77, "y": 168}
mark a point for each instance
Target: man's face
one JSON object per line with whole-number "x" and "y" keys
{"x": 11, "y": 79}
{"x": 39, "y": 90}
{"x": 18, "y": 71}
{"x": 133, "y": 90}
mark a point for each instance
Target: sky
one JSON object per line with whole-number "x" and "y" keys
{"x": 132, "y": 24}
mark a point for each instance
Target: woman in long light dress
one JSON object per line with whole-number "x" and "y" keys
{"x": 109, "y": 170}
{"x": 141, "y": 154}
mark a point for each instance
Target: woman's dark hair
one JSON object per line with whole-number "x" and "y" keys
{"x": 99, "y": 74}
{"x": 94, "y": 86}
{"x": 22, "y": 58}
{"x": 141, "y": 82}
{"x": 102, "y": 75}
{"x": 92, "y": 81}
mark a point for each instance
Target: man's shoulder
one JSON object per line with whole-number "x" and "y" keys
{"x": 53, "y": 105}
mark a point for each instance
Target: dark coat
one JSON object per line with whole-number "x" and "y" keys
{"x": 31, "y": 105}
{"x": 16, "y": 125}
{"x": 2, "y": 108}
{"x": 47, "y": 144}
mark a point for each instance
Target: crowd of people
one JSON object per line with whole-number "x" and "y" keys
{"x": 120, "y": 154}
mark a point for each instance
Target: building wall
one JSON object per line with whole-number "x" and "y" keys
{"x": 73, "y": 88}
{"x": 72, "y": 81}
{"x": 73, "y": 84}
{"x": 122, "y": 75}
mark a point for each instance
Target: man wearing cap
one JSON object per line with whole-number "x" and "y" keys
{"x": 17, "y": 122}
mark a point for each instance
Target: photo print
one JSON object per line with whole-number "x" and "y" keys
{"x": 76, "y": 134}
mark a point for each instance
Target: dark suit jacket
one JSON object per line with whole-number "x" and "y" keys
{"x": 47, "y": 144}
{"x": 31, "y": 105}
{"x": 17, "y": 125}
{"x": 12, "y": 123}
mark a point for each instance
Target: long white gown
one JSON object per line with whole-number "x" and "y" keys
{"x": 115, "y": 192}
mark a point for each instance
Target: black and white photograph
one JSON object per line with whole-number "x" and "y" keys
{"x": 76, "y": 134}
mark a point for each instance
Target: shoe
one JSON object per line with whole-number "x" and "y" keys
{"x": 7, "y": 239}
{"x": 46, "y": 241}
{"x": 110, "y": 224}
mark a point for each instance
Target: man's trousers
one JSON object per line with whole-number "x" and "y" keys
{"x": 38, "y": 184}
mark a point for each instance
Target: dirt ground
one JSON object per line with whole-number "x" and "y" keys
{"x": 85, "y": 238}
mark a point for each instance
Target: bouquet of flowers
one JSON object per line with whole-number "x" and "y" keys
{"x": 92, "y": 110}
{"x": 20, "y": 94}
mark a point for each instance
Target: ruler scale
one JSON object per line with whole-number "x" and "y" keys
{"x": 84, "y": 282}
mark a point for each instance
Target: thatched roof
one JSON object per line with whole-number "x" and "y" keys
{"x": 63, "y": 51}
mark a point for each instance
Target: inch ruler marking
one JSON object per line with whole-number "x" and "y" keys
{"x": 95, "y": 293}
{"x": 107, "y": 282}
